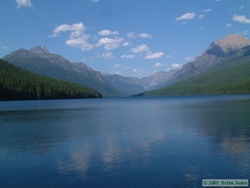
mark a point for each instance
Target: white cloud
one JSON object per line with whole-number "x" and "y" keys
{"x": 187, "y": 16}
{"x": 229, "y": 25}
{"x": 77, "y": 38}
{"x": 168, "y": 56}
{"x": 176, "y": 65}
{"x": 108, "y": 55}
{"x": 140, "y": 49}
{"x": 24, "y": 3}
{"x": 76, "y": 29}
{"x": 241, "y": 18}
{"x": 207, "y": 10}
{"x": 145, "y": 35}
{"x": 126, "y": 44}
{"x": 159, "y": 65}
{"x": 95, "y": 1}
{"x": 128, "y": 56}
{"x": 155, "y": 55}
{"x": 109, "y": 43}
{"x": 190, "y": 58}
{"x": 107, "y": 32}
{"x": 201, "y": 16}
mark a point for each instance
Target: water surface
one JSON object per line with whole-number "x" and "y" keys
{"x": 127, "y": 142}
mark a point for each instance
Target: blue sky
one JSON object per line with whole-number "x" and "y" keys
{"x": 127, "y": 37}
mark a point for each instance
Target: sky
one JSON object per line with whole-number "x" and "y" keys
{"x": 132, "y": 38}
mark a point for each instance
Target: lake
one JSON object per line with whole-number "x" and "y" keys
{"x": 124, "y": 142}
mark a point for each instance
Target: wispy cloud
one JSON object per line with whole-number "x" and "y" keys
{"x": 24, "y": 3}
{"x": 187, "y": 16}
{"x": 4, "y": 47}
{"x": 241, "y": 7}
{"x": 77, "y": 38}
{"x": 207, "y": 10}
{"x": 95, "y": 1}
{"x": 108, "y": 55}
{"x": 176, "y": 65}
{"x": 145, "y": 35}
{"x": 140, "y": 49}
{"x": 229, "y": 25}
{"x": 155, "y": 55}
{"x": 137, "y": 71}
{"x": 190, "y": 58}
{"x": 116, "y": 66}
{"x": 240, "y": 18}
{"x": 107, "y": 32}
{"x": 126, "y": 44}
{"x": 159, "y": 65}
{"x": 128, "y": 56}
{"x": 201, "y": 16}
{"x": 133, "y": 35}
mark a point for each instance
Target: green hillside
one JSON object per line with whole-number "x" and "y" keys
{"x": 227, "y": 78}
{"x": 19, "y": 84}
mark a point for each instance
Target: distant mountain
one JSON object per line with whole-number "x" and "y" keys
{"x": 20, "y": 84}
{"x": 156, "y": 80}
{"x": 223, "y": 68}
{"x": 125, "y": 84}
{"x": 40, "y": 61}
{"x": 134, "y": 85}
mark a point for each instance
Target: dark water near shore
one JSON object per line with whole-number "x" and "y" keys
{"x": 130, "y": 142}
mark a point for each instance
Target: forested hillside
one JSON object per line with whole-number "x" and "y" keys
{"x": 230, "y": 78}
{"x": 19, "y": 84}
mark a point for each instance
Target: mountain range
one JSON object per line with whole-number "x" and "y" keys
{"x": 222, "y": 54}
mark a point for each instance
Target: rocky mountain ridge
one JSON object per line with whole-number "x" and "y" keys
{"x": 216, "y": 52}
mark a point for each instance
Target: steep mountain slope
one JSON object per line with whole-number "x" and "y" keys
{"x": 20, "y": 84}
{"x": 229, "y": 76}
{"x": 40, "y": 61}
{"x": 217, "y": 51}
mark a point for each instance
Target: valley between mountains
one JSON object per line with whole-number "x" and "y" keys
{"x": 223, "y": 68}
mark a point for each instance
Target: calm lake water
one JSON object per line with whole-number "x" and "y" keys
{"x": 130, "y": 142}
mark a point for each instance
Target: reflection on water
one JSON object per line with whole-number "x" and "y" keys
{"x": 149, "y": 142}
